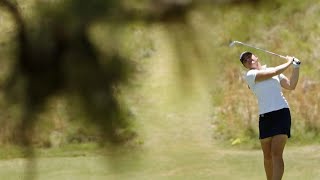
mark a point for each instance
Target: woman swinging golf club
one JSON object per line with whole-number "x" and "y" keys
{"x": 274, "y": 113}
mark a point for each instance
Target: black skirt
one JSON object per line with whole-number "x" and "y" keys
{"x": 275, "y": 123}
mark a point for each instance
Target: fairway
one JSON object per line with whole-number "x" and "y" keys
{"x": 192, "y": 163}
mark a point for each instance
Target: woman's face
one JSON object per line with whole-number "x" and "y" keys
{"x": 252, "y": 62}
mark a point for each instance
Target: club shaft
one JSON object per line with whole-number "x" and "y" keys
{"x": 281, "y": 56}
{"x": 260, "y": 49}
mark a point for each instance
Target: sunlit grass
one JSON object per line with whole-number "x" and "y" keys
{"x": 194, "y": 162}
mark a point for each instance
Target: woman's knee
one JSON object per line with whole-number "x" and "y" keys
{"x": 277, "y": 154}
{"x": 267, "y": 156}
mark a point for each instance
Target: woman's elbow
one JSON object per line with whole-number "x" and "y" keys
{"x": 289, "y": 87}
{"x": 292, "y": 88}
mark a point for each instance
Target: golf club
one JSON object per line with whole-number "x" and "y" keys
{"x": 281, "y": 56}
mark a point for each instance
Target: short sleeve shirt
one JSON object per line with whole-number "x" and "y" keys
{"x": 268, "y": 92}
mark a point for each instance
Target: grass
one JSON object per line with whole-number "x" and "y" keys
{"x": 72, "y": 150}
{"x": 175, "y": 162}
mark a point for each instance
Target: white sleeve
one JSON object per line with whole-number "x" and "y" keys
{"x": 251, "y": 77}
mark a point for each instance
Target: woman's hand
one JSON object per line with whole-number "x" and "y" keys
{"x": 295, "y": 62}
{"x": 289, "y": 59}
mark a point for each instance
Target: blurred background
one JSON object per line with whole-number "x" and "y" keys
{"x": 133, "y": 77}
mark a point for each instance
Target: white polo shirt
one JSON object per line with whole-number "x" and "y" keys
{"x": 268, "y": 92}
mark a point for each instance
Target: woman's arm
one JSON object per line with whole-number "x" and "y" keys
{"x": 292, "y": 83}
{"x": 267, "y": 74}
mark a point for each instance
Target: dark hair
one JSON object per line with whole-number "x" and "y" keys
{"x": 244, "y": 56}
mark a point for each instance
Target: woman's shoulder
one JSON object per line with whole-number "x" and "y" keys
{"x": 255, "y": 71}
{"x": 252, "y": 72}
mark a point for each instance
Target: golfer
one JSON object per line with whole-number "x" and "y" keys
{"x": 274, "y": 113}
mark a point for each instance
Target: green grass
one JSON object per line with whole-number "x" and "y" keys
{"x": 174, "y": 162}
{"x": 71, "y": 150}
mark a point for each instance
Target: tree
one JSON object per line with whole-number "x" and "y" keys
{"x": 56, "y": 56}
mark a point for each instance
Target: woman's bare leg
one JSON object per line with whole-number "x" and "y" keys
{"x": 278, "y": 143}
{"x": 266, "y": 148}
